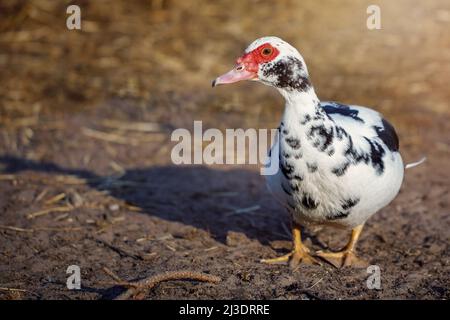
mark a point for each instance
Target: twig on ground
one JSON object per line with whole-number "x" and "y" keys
{"x": 120, "y": 251}
{"x": 13, "y": 289}
{"x": 133, "y": 126}
{"x": 120, "y": 139}
{"x": 170, "y": 248}
{"x": 49, "y": 210}
{"x": 41, "y": 195}
{"x": 12, "y": 228}
{"x": 109, "y": 137}
{"x": 56, "y": 198}
{"x": 70, "y": 179}
{"x": 113, "y": 275}
{"x": 17, "y": 229}
{"x": 60, "y": 229}
{"x": 315, "y": 284}
{"x": 137, "y": 289}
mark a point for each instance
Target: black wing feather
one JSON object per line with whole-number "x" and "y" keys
{"x": 388, "y": 135}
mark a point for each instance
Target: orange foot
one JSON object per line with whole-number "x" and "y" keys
{"x": 342, "y": 259}
{"x": 295, "y": 257}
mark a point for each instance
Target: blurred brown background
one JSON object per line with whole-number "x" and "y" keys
{"x": 90, "y": 110}
{"x": 161, "y": 49}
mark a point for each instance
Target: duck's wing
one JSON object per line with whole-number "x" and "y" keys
{"x": 362, "y": 121}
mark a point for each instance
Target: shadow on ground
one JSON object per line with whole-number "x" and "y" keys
{"x": 216, "y": 201}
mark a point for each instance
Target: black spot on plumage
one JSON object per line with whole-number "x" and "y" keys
{"x": 337, "y": 215}
{"x": 331, "y": 152}
{"x": 351, "y": 152}
{"x": 355, "y": 155}
{"x": 298, "y": 156}
{"x": 341, "y": 133}
{"x": 298, "y": 177}
{"x": 287, "y": 169}
{"x": 328, "y": 117}
{"x": 387, "y": 134}
{"x": 294, "y": 143}
{"x": 312, "y": 167}
{"x": 308, "y": 202}
{"x": 286, "y": 155}
{"x": 339, "y": 171}
{"x": 288, "y": 74}
{"x": 373, "y": 157}
{"x": 294, "y": 185}
{"x": 326, "y": 136}
{"x": 341, "y": 109}
{"x": 319, "y": 114}
{"x": 350, "y": 203}
{"x": 306, "y": 119}
{"x": 376, "y": 156}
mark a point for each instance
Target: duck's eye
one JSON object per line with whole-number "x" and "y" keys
{"x": 266, "y": 52}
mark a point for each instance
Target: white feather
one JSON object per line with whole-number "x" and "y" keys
{"x": 415, "y": 164}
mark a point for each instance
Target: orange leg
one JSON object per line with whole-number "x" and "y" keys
{"x": 345, "y": 257}
{"x": 300, "y": 253}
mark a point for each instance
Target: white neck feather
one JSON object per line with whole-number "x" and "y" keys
{"x": 300, "y": 103}
{"x": 301, "y": 114}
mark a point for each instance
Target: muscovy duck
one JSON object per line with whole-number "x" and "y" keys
{"x": 338, "y": 164}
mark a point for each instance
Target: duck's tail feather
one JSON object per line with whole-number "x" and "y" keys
{"x": 415, "y": 164}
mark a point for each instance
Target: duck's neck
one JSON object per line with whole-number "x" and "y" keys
{"x": 302, "y": 106}
{"x": 305, "y": 120}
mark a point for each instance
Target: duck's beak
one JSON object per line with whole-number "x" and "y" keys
{"x": 239, "y": 73}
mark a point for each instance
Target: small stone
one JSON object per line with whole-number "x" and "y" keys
{"x": 75, "y": 199}
{"x": 113, "y": 207}
{"x": 235, "y": 239}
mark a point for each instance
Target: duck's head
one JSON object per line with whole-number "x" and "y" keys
{"x": 271, "y": 61}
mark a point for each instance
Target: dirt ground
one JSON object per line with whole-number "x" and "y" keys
{"x": 83, "y": 181}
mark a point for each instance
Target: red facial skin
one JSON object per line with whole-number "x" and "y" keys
{"x": 252, "y": 59}
{"x": 247, "y": 66}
